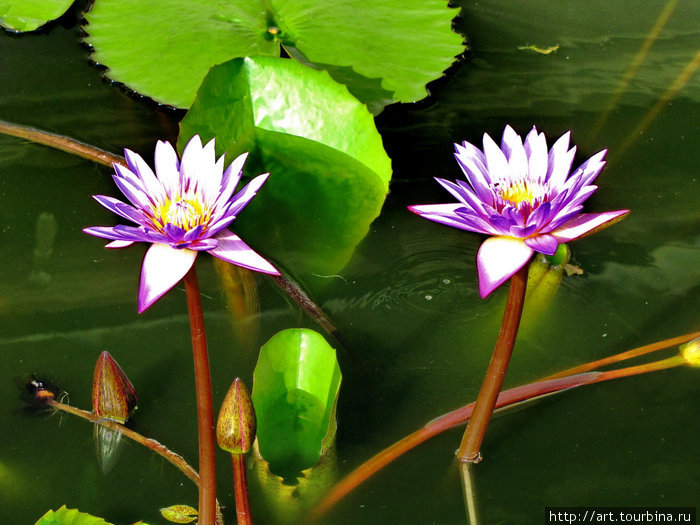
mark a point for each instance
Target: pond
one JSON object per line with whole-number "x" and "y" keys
{"x": 416, "y": 336}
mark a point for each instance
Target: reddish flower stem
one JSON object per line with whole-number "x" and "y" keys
{"x": 205, "y": 410}
{"x": 495, "y": 374}
{"x": 570, "y": 378}
{"x": 240, "y": 486}
{"x": 437, "y": 426}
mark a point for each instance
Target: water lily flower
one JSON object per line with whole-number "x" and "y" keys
{"x": 525, "y": 197}
{"x": 185, "y": 207}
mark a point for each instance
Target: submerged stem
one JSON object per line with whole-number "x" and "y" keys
{"x": 205, "y": 410}
{"x": 294, "y": 291}
{"x": 175, "y": 459}
{"x": 565, "y": 380}
{"x": 636, "y": 352}
{"x": 495, "y": 374}
{"x": 437, "y": 426}
{"x": 72, "y": 146}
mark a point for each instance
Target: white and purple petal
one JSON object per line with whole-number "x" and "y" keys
{"x": 459, "y": 192}
{"x": 143, "y": 171}
{"x": 119, "y": 244}
{"x": 559, "y": 161}
{"x": 540, "y": 216}
{"x": 122, "y": 209}
{"x": 131, "y": 186}
{"x": 536, "y": 148}
{"x": 482, "y": 208}
{"x": 498, "y": 259}
{"x": 189, "y": 164}
{"x": 510, "y": 141}
{"x": 446, "y": 214}
{"x": 544, "y": 243}
{"x": 496, "y": 161}
{"x": 232, "y": 249}
{"x": 167, "y": 168}
{"x": 586, "y": 224}
{"x": 243, "y": 197}
{"x": 231, "y": 178}
{"x": 203, "y": 244}
{"x": 474, "y": 169}
{"x": 521, "y": 232}
{"x": 163, "y": 267}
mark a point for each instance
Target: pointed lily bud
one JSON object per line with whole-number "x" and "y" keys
{"x": 235, "y": 428}
{"x": 691, "y": 352}
{"x": 179, "y": 513}
{"x": 113, "y": 395}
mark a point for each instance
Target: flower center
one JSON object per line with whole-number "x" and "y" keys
{"x": 183, "y": 213}
{"x": 521, "y": 192}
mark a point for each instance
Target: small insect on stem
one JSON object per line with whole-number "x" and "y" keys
{"x": 38, "y": 391}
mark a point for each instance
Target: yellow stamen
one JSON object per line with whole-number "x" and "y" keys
{"x": 181, "y": 212}
{"x": 520, "y": 191}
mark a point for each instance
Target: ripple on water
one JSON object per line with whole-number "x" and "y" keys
{"x": 424, "y": 280}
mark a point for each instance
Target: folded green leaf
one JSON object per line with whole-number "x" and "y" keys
{"x": 329, "y": 171}
{"x": 295, "y": 390}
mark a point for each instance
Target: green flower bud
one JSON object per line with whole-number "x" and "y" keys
{"x": 235, "y": 428}
{"x": 113, "y": 395}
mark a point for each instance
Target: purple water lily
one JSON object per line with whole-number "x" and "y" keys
{"x": 183, "y": 208}
{"x": 525, "y": 197}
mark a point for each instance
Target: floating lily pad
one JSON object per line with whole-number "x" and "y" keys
{"x": 28, "y": 15}
{"x": 405, "y": 43}
{"x": 329, "y": 171}
{"x": 295, "y": 390}
{"x": 164, "y": 48}
{"x": 64, "y": 516}
{"x": 387, "y": 49}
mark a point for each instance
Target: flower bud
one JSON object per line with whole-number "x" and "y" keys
{"x": 113, "y": 395}
{"x": 235, "y": 428}
{"x": 690, "y": 351}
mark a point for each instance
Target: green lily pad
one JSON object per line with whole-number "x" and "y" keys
{"x": 329, "y": 171}
{"x": 164, "y": 48}
{"x": 64, "y": 516}
{"x": 28, "y": 15}
{"x": 405, "y": 43}
{"x": 387, "y": 50}
{"x": 295, "y": 389}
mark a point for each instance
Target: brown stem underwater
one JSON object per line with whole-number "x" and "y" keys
{"x": 53, "y": 140}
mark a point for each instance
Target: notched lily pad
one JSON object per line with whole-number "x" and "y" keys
{"x": 387, "y": 50}
{"x": 329, "y": 171}
{"x": 295, "y": 390}
{"x": 164, "y": 48}
{"x": 405, "y": 44}
{"x": 64, "y": 516}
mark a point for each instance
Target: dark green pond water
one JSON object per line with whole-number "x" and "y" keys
{"x": 406, "y": 305}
